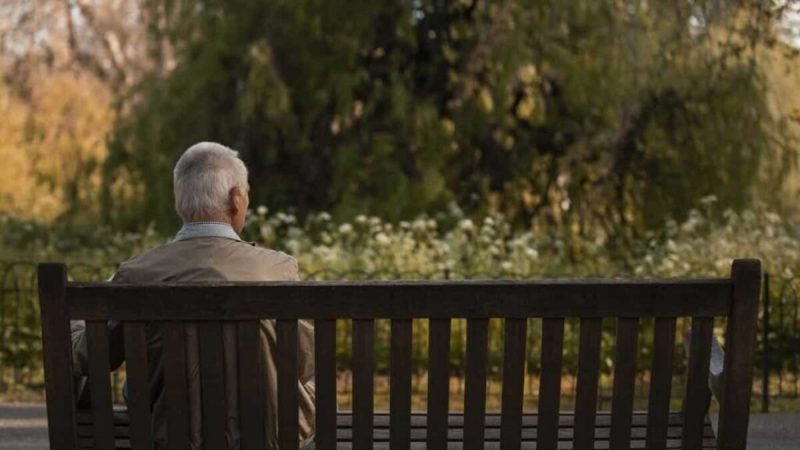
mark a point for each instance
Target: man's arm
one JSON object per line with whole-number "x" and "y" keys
{"x": 80, "y": 346}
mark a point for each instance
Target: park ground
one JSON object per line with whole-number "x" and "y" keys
{"x": 23, "y": 426}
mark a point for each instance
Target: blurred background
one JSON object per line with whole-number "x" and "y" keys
{"x": 414, "y": 139}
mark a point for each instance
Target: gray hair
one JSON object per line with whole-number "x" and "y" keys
{"x": 204, "y": 176}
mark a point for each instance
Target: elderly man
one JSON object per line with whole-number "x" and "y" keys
{"x": 211, "y": 196}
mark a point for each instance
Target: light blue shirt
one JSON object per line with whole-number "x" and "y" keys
{"x": 193, "y": 230}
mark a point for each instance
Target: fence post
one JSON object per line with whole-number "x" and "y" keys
{"x": 765, "y": 348}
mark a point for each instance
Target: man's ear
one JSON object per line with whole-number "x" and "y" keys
{"x": 236, "y": 200}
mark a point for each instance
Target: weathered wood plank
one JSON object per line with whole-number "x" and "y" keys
{"x": 695, "y": 403}
{"x": 100, "y": 384}
{"x": 57, "y": 353}
{"x": 740, "y": 340}
{"x": 438, "y": 381}
{"x": 550, "y": 381}
{"x": 660, "y": 382}
{"x": 212, "y": 382}
{"x": 288, "y": 434}
{"x": 363, "y": 382}
{"x": 395, "y": 300}
{"x": 252, "y": 416}
{"x": 586, "y": 393}
{"x": 176, "y": 392}
{"x": 475, "y": 383}
{"x": 624, "y": 381}
{"x": 400, "y": 384}
{"x": 325, "y": 378}
{"x": 138, "y": 401}
{"x": 513, "y": 382}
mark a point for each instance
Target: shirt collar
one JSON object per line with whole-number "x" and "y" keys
{"x": 193, "y": 230}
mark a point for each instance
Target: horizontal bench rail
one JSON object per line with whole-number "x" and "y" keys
{"x": 398, "y": 300}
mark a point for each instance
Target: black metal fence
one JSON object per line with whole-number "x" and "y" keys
{"x": 21, "y": 374}
{"x": 779, "y": 340}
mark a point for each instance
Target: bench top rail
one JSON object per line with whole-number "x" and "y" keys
{"x": 400, "y": 300}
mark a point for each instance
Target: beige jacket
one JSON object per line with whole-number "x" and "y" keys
{"x": 215, "y": 259}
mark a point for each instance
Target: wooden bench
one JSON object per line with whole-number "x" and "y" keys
{"x": 735, "y": 298}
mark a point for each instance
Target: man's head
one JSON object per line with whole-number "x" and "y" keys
{"x": 211, "y": 185}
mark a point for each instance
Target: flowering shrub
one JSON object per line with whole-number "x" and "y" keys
{"x": 462, "y": 248}
{"x": 449, "y": 245}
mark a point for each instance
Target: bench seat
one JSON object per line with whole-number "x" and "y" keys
{"x": 455, "y": 430}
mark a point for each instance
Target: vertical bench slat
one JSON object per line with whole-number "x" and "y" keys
{"x": 57, "y": 352}
{"x": 325, "y": 377}
{"x": 363, "y": 382}
{"x": 252, "y": 416}
{"x": 740, "y": 346}
{"x": 288, "y": 434}
{"x": 176, "y": 392}
{"x": 695, "y": 403}
{"x": 513, "y": 383}
{"x": 588, "y": 372}
{"x": 624, "y": 382}
{"x": 212, "y": 382}
{"x": 100, "y": 384}
{"x": 550, "y": 383}
{"x": 400, "y": 385}
{"x": 475, "y": 383}
{"x": 660, "y": 383}
{"x": 438, "y": 381}
{"x": 138, "y": 386}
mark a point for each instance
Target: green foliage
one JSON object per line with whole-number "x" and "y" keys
{"x": 447, "y": 245}
{"x": 603, "y": 118}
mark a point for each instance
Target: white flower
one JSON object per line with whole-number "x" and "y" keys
{"x": 506, "y": 265}
{"x": 324, "y": 216}
{"x": 382, "y": 238}
{"x": 532, "y": 253}
{"x": 262, "y": 210}
{"x": 361, "y": 219}
{"x": 345, "y": 228}
{"x": 466, "y": 225}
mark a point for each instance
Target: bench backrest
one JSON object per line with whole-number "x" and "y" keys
{"x": 210, "y": 304}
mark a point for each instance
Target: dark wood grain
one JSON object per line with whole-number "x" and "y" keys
{"x": 400, "y": 384}
{"x": 363, "y": 382}
{"x": 176, "y": 392}
{"x": 624, "y": 382}
{"x": 550, "y": 382}
{"x": 325, "y": 377}
{"x": 138, "y": 386}
{"x": 57, "y": 353}
{"x": 288, "y": 434}
{"x": 402, "y": 301}
{"x": 212, "y": 382}
{"x": 438, "y": 382}
{"x": 513, "y": 382}
{"x": 660, "y": 383}
{"x": 695, "y": 402}
{"x": 252, "y": 415}
{"x": 740, "y": 347}
{"x": 475, "y": 383}
{"x": 398, "y": 300}
{"x": 100, "y": 384}
{"x": 586, "y": 393}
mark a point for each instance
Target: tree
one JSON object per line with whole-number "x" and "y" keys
{"x": 599, "y": 117}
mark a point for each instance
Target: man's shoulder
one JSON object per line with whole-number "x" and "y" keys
{"x": 227, "y": 257}
{"x": 282, "y": 265}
